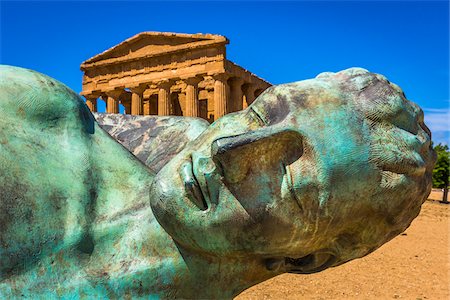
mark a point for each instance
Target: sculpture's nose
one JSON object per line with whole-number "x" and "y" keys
{"x": 268, "y": 147}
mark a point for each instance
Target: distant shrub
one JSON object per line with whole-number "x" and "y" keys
{"x": 441, "y": 171}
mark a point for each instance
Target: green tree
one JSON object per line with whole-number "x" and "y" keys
{"x": 441, "y": 171}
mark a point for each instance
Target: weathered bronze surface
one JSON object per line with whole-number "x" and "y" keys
{"x": 154, "y": 140}
{"x": 313, "y": 174}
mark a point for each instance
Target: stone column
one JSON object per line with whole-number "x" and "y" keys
{"x": 127, "y": 106}
{"x": 137, "y": 100}
{"x": 112, "y": 102}
{"x": 220, "y": 95}
{"x": 164, "y": 98}
{"x": 192, "y": 96}
{"x": 91, "y": 102}
{"x": 236, "y": 94}
{"x": 249, "y": 93}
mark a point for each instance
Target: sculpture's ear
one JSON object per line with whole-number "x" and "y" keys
{"x": 265, "y": 148}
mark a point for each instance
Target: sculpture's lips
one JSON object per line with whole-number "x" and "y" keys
{"x": 192, "y": 186}
{"x": 311, "y": 263}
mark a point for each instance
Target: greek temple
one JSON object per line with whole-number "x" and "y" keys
{"x": 159, "y": 73}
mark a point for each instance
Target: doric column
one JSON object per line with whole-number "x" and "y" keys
{"x": 146, "y": 107}
{"x": 91, "y": 102}
{"x": 236, "y": 94}
{"x": 220, "y": 95}
{"x": 137, "y": 100}
{"x": 112, "y": 105}
{"x": 164, "y": 98}
{"x": 192, "y": 96}
{"x": 127, "y": 106}
{"x": 249, "y": 93}
{"x": 112, "y": 102}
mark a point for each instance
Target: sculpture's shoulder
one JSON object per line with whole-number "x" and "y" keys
{"x": 154, "y": 140}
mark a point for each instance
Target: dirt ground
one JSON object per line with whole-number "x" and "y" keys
{"x": 414, "y": 265}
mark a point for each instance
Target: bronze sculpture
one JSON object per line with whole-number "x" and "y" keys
{"x": 313, "y": 174}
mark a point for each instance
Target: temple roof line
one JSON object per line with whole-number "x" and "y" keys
{"x": 203, "y": 40}
{"x": 246, "y": 71}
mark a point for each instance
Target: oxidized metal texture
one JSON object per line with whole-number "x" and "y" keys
{"x": 154, "y": 140}
{"x": 313, "y": 174}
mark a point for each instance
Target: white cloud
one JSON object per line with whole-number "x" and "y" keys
{"x": 438, "y": 120}
{"x": 437, "y": 110}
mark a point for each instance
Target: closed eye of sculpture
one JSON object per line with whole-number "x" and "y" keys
{"x": 313, "y": 174}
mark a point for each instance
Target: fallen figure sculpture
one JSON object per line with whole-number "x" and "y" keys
{"x": 312, "y": 175}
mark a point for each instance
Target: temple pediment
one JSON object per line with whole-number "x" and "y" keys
{"x": 147, "y": 44}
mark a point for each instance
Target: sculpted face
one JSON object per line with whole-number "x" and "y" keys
{"x": 311, "y": 175}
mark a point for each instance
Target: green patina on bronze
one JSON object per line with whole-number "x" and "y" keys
{"x": 313, "y": 174}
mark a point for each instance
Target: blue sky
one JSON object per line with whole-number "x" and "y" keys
{"x": 282, "y": 42}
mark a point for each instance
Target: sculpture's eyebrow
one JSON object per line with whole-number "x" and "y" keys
{"x": 223, "y": 144}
